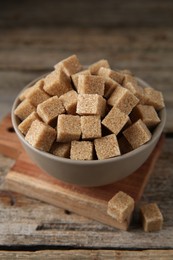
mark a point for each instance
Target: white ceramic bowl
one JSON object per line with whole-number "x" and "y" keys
{"x": 90, "y": 173}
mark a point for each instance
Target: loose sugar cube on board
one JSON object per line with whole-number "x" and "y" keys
{"x": 106, "y": 147}
{"x": 75, "y": 77}
{"x": 137, "y": 134}
{"x": 152, "y": 218}
{"x": 61, "y": 149}
{"x": 91, "y": 84}
{"x": 40, "y": 135}
{"x": 91, "y": 127}
{"x": 68, "y": 128}
{"x": 24, "y": 109}
{"x": 91, "y": 104}
{"x": 50, "y": 109}
{"x": 81, "y": 150}
{"x": 69, "y": 101}
{"x": 147, "y": 114}
{"x": 115, "y": 120}
{"x": 106, "y": 72}
{"x": 123, "y": 99}
{"x": 57, "y": 83}
{"x": 26, "y": 123}
{"x": 120, "y": 206}
{"x": 94, "y": 68}
{"x": 70, "y": 65}
{"x": 153, "y": 98}
{"x": 37, "y": 95}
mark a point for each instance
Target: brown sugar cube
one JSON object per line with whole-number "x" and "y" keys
{"x": 129, "y": 79}
{"x": 37, "y": 95}
{"x": 68, "y": 128}
{"x": 137, "y": 90}
{"x": 131, "y": 84}
{"x": 61, "y": 149}
{"x": 106, "y": 147}
{"x": 81, "y": 150}
{"x": 24, "y": 109}
{"x": 115, "y": 120}
{"x": 57, "y": 83}
{"x": 126, "y": 72}
{"x": 40, "y": 135}
{"x": 75, "y": 77}
{"x": 69, "y": 101}
{"x": 94, "y": 68}
{"x": 137, "y": 134}
{"x": 25, "y": 93}
{"x": 123, "y": 99}
{"x": 152, "y": 219}
{"x": 129, "y": 123}
{"x": 153, "y": 98}
{"x": 106, "y": 72}
{"x": 91, "y": 104}
{"x": 147, "y": 113}
{"x": 91, "y": 84}
{"x": 50, "y": 109}
{"x": 120, "y": 206}
{"x": 110, "y": 86}
{"x": 70, "y": 65}
{"x": 91, "y": 127}
{"x": 26, "y": 123}
{"x": 124, "y": 145}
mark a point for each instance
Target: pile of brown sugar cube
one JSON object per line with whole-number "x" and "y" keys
{"x": 88, "y": 114}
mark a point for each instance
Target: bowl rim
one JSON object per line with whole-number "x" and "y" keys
{"x": 157, "y": 132}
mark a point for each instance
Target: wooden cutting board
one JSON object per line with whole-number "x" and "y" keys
{"x": 26, "y": 178}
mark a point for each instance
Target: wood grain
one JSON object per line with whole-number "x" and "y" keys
{"x": 34, "y": 35}
{"x": 78, "y": 13}
{"x": 10, "y": 146}
{"x": 88, "y": 255}
{"x": 139, "y": 52}
{"x": 31, "y": 223}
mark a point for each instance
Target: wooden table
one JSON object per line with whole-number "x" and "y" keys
{"x": 33, "y": 37}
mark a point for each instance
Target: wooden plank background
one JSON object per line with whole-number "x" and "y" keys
{"x": 34, "y": 35}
